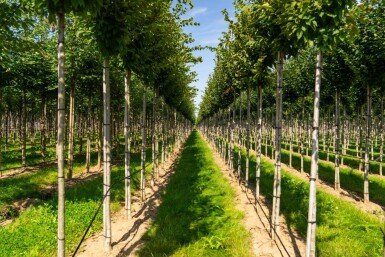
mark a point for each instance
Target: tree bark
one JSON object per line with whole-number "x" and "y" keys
{"x": 277, "y": 170}
{"x": 127, "y": 144}
{"x": 60, "y": 136}
{"x": 24, "y": 128}
{"x": 106, "y": 154}
{"x": 1, "y": 132}
{"x": 311, "y": 228}
{"x": 143, "y": 151}
{"x": 71, "y": 121}
{"x": 259, "y": 143}
{"x": 368, "y": 123}
{"x": 247, "y": 136}
{"x": 337, "y": 133}
{"x": 43, "y": 126}
{"x": 382, "y": 133}
{"x": 88, "y": 119}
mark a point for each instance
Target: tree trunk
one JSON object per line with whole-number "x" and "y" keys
{"x": 311, "y": 228}
{"x": 43, "y": 126}
{"x": 153, "y": 121}
{"x": 106, "y": 154}
{"x": 240, "y": 138}
{"x": 127, "y": 142}
{"x": 259, "y": 141}
{"x": 24, "y": 129}
{"x": 337, "y": 133}
{"x": 368, "y": 123}
{"x": 71, "y": 121}
{"x": 88, "y": 119}
{"x": 302, "y": 133}
{"x": 382, "y": 133}
{"x": 277, "y": 170}
{"x": 156, "y": 148}
{"x": 60, "y": 136}
{"x": 143, "y": 152}
{"x": 247, "y": 136}
{"x": 290, "y": 140}
{"x": 100, "y": 136}
{"x": 1, "y": 132}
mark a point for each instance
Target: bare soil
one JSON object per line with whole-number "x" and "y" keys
{"x": 10, "y": 212}
{"x": 257, "y": 216}
{"x": 127, "y": 232}
{"x": 28, "y": 169}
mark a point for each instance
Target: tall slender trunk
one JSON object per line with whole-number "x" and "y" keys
{"x": 259, "y": 143}
{"x": 88, "y": 119}
{"x": 311, "y": 227}
{"x": 232, "y": 126}
{"x": 60, "y": 136}
{"x": 6, "y": 128}
{"x": 277, "y": 170}
{"x": 24, "y": 129}
{"x": 153, "y": 121}
{"x": 302, "y": 133}
{"x": 71, "y": 121}
{"x": 337, "y": 143}
{"x": 382, "y": 133}
{"x": 100, "y": 136}
{"x": 43, "y": 126}
{"x": 290, "y": 139}
{"x": 240, "y": 138}
{"x": 127, "y": 142}
{"x": 368, "y": 123}
{"x": 1, "y": 131}
{"x": 106, "y": 154}
{"x": 247, "y": 135}
{"x": 143, "y": 153}
{"x": 156, "y": 139}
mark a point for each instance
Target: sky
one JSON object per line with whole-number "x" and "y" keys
{"x": 209, "y": 14}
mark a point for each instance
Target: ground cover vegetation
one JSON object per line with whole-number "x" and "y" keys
{"x": 197, "y": 216}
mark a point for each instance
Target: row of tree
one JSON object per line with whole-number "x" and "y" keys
{"x": 345, "y": 41}
{"x": 132, "y": 48}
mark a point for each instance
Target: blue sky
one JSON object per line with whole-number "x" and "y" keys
{"x": 209, "y": 14}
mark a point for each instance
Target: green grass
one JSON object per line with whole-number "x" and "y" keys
{"x": 197, "y": 216}
{"x": 352, "y": 161}
{"x": 34, "y": 232}
{"x": 350, "y": 179}
{"x": 342, "y": 229}
{"x": 31, "y": 184}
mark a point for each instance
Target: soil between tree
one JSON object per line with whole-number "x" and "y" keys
{"x": 257, "y": 221}
{"x": 127, "y": 232}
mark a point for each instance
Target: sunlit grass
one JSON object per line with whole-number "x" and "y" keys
{"x": 197, "y": 216}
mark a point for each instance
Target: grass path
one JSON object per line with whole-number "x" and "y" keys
{"x": 197, "y": 216}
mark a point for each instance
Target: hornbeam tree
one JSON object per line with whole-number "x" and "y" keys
{"x": 111, "y": 41}
{"x": 58, "y": 8}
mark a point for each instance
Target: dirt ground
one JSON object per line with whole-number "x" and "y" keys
{"x": 127, "y": 232}
{"x": 257, "y": 221}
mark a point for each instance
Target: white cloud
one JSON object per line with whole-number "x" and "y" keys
{"x": 198, "y": 11}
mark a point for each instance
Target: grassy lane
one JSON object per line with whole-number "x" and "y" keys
{"x": 342, "y": 229}
{"x": 34, "y": 232}
{"x": 197, "y": 216}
